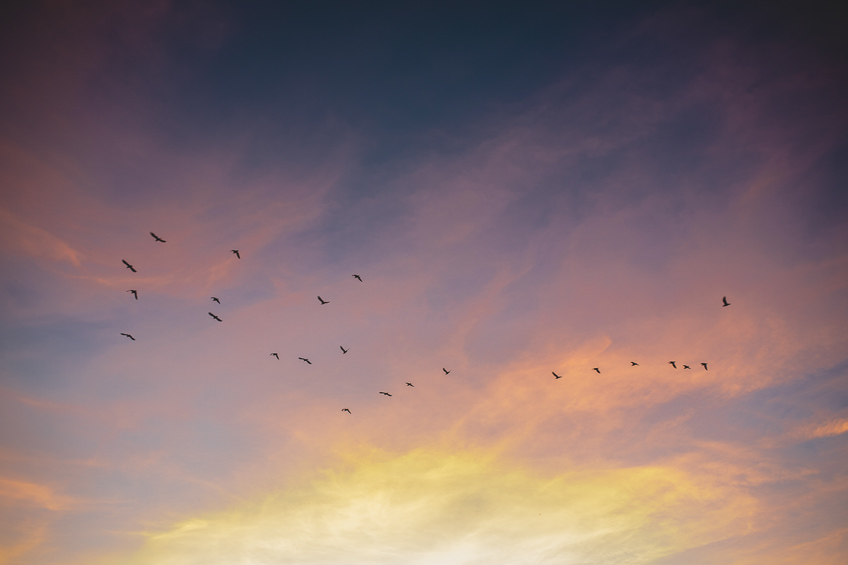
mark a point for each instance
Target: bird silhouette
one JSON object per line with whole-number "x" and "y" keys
{"x": 157, "y": 238}
{"x": 598, "y": 370}
{"x": 216, "y": 317}
{"x": 724, "y": 302}
{"x": 305, "y": 359}
{"x": 215, "y": 298}
{"x": 673, "y": 364}
{"x": 410, "y": 384}
{"x": 236, "y": 251}
{"x": 129, "y": 336}
{"x": 343, "y": 350}
{"x": 556, "y": 376}
{"x": 276, "y": 355}
{"x": 345, "y": 410}
{"x": 634, "y": 364}
{"x": 386, "y": 393}
{"x": 130, "y": 267}
{"x": 686, "y": 367}
{"x": 135, "y": 293}
{"x": 323, "y": 301}
{"x": 705, "y": 366}
{"x": 357, "y": 277}
{"x": 446, "y": 371}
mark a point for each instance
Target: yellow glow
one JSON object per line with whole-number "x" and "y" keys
{"x": 431, "y": 507}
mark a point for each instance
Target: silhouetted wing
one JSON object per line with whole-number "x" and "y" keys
{"x": 236, "y": 251}
{"x": 129, "y": 336}
{"x": 345, "y": 410}
{"x": 555, "y": 375}
{"x": 130, "y": 267}
{"x": 157, "y": 238}
{"x": 216, "y": 300}
{"x": 410, "y": 384}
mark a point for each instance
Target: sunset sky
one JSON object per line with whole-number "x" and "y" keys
{"x": 524, "y": 188}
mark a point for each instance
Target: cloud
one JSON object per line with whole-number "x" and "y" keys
{"x": 428, "y": 506}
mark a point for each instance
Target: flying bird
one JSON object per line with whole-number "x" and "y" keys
{"x": 130, "y": 267}
{"x": 323, "y": 301}
{"x": 129, "y": 336}
{"x": 556, "y": 376}
{"x": 410, "y": 384}
{"x": 705, "y": 366}
{"x": 673, "y": 364}
{"x": 135, "y": 293}
{"x": 634, "y": 364}
{"x": 686, "y": 367}
{"x": 357, "y": 277}
{"x": 446, "y": 371}
{"x": 724, "y": 302}
{"x": 386, "y": 393}
{"x": 157, "y": 238}
{"x": 236, "y": 252}
{"x": 214, "y": 316}
{"x": 345, "y": 410}
{"x": 215, "y": 298}
{"x": 305, "y": 359}
{"x": 343, "y": 350}
{"x": 276, "y": 355}
{"x": 596, "y": 369}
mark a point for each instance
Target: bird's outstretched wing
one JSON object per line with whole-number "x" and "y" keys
{"x": 596, "y": 369}
{"x": 385, "y": 393}
{"x": 410, "y": 384}
{"x": 215, "y": 298}
{"x": 129, "y": 336}
{"x": 343, "y": 350}
{"x": 357, "y": 277}
{"x": 157, "y": 238}
{"x": 236, "y": 251}
{"x": 555, "y": 375}
{"x": 214, "y": 316}
{"x": 673, "y": 364}
{"x": 724, "y": 301}
{"x": 446, "y": 371}
{"x": 323, "y": 301}
{"x": 345, "y": 410}
{"x": 130, "y": 267}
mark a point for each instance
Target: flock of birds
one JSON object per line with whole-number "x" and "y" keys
{"x": 323, "y": 302}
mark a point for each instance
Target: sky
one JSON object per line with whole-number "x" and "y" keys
{"x": 546, "y": 203}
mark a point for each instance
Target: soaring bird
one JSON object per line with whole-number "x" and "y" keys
{"x": 214, "y": 316}
{"x": 596, "y": 369}
{"x": 410, "y": 384}
{"x": 130, "y": 267}
{"x": 276, "y": 355}
{"x": 446, "y": 371}
{"x": 686, "y": 367}
{"x": 724, "y": 302}
{"x": 157, "y": 238}
{"x": 215, "y": 298}
{"x": 673, "y": 364}
{"x": 236, "y": 252}
{"x": 386, "y": 393}
{"x": 343, "y": 350}
{"x": 135, "y": 293}
{"x": 556, "y": 376}
{"x": 129, "y": 336}
{"x": 704, "y": 365}
{"x": 345, "y": 410}
{"x": 323, "y": 301}
{"x": 357, "y": 277}
{"x": 634, "y": 364}
{"x": 305, "y": 359}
